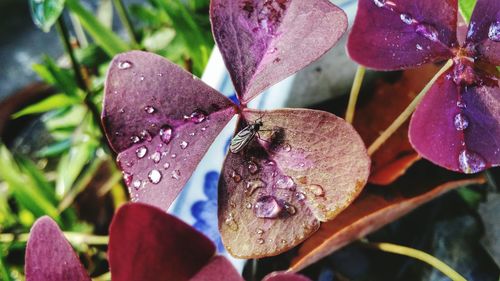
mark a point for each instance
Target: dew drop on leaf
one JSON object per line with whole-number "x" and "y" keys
{"x": 156, "y": 157}
{"x": 248, "y": 206}
{"x": 494, "y": 31}
{"x": 166, "y": 134}
{"x": 235, "y": 176}
{"x": 166, "y": 165}
{"x": 127, "y": 178}
{"x": 184, "y": 144}
{"x": 300, "y": 196}
{"x": 285, "y": 182}
{"x": 286, "y": 147}
{"x": 141, "y": 152}
{"x": 253, "y": 168}
{"x": 154, "y": 176}
{"x": 137, "y": 184}
{"x": 145, "y": 135}
{"x": 196, "y": 117}
{"x": 316, "y": 189}
{"x": 176, "y": 174}
{"x": 379, "y": 3}
{"x": 406, "y": 18}
{"x": 231, "y": 222}
{"x": 428, "y": 31}
{"x": 124, "y": 65}
{"x": 290, "y": 208}
{"x": 149, "y": 109}
{"x": 267, "y": 207}
{"x": 135, "y": 139}
{"x": 260, "y": 241}
{"x": 260, "y": 231}
{"x": 471, "y": 162}
{"x": 253, "y": 185}
{"x": 460, "y": 104}
{"x": 461, "y": 122}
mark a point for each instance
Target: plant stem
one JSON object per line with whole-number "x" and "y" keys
{"x": 407, "y": 112}
{"x": 353, "y": 97}
{"x": 64, "y": 34}
{"x": 125, "y": 19}
{"x": 419, "y": 255}
{"x": 73, "y": 237}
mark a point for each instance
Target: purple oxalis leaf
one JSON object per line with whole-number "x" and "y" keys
{"x": 264, "y": 41}
{"x": 148, "y": 244}
{"x": 161, "y": 121}
{"x": 218, "y": 269}
{"x": 49, "y": 256}
{"x": 399, "y": 34}
{"x": 461, "y": 123}
{"x": 306, "y": 167}
{"x": 457, "y": 124}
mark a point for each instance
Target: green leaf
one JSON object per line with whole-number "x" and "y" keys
{"x": 55, "y": 149}
{"x": 38, "y": 178}
{"x": 24, "y": 187}
{"x": 197, "y": 5}
{"x": 52, "y": 102}
{"x": 62, "y": 79}
{"x": 159, "y": 39}
{"x": 150, "y": 16}
{"x": 46, "y": 12}
{"x": 466, "y": 8}
{"x": 4, "y": 271}
{"x": 111, "y": 43}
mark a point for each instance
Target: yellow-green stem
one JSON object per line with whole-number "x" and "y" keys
{"x": 353, "y": 97}
{"x": 73, "y": 237}
{"x": 419, "y": 255}
{"x": 407, "y": 112}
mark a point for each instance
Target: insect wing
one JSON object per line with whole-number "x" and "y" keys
{"x": 242, "y": 139}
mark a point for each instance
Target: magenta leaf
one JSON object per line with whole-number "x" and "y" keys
{"x": 484, "y": 30}
{"x": 458, "y": 127}
{"x": 400, "y": 34}
{"x": 263, "y": 42}
{"x": 49, "y": 256}
{"x": 161, "y": 120}
{"x": 218, "y": 269}
{"x": 306, "y": 167}
{"x": 148, "y": 244}
{"x": 284, "y": 276}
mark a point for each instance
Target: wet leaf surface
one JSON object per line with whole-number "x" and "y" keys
{"x": 161, "y": 121}
{"x": 49, "y": 256}
{"x": 373, "y": 116}
{"x": 306, "y": 167}
{"x": 263, "y": 42}
{"x": 399, "y": 34}
{"x": 484, "y": 30}
{"x": 458, "y": 127}
{"x": 377, "y": 207}
{"x": 148, "y": 244}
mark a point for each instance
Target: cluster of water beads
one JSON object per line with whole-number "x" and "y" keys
{"x": 494, "y": 31}
{"x": 461, "y": 122}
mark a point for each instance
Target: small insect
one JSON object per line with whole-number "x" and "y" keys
{"x": 244, "y": 137}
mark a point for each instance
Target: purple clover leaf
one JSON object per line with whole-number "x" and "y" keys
{"x": 457, "y": 123}
{"x": 161, "y": 121}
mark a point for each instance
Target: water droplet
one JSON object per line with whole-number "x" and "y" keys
{"x": 173, "y": 155}
{"x": 494, "y": 31}
{"x": 300, "y": 196}
{"x": 379, "y": 3}
{"x": 272, "y": 50}
{"x": 137, "y": 184}
{"x": 135, "y": 139}
{"x": 160, "y": 74}
{"x": 286, "y": 147}
{"x": 428, "y": 31}
{"x": 406, "y": 18}
{"x": 124, "y": 65}
{"x": 196, "y": 117}
{"x": 141, "y": 77}
{"x": 166, "y": 165}
{"x": 260, "y": 241}
{"x": 231, "y": 222}
{"x": 419, "y": 47}
{"x": 285, "y": 182}
{"x": 270, "y": 163}
{"x": 248, "y": 206}
{"x": 253, "y": 185}
{"x": 145, "y": 135}
{"x": 235, "y": 176}
{"x": 156, "y": 157}
{"x": 267, "y": 207}
{"x": 471, "y": 162}
{"x": 127, "y": 178}
{"x": 253, "y": 168}
{"x": 316, "y": 189}
{"x": 176, "y": 174}
{"x": 166, "y": 134}
{"x": 141, "y": 152}
{"x": 283, "y": 241}
{"x": 290, "y": 208}
{"x": 184, "y": 144}
{"x": 460, "y": 104}
{"x": 149, "y": 109}
{"x": 461, "y": 122}
{"x": 154, "y": 176}
{"x": 260, "y": 231}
